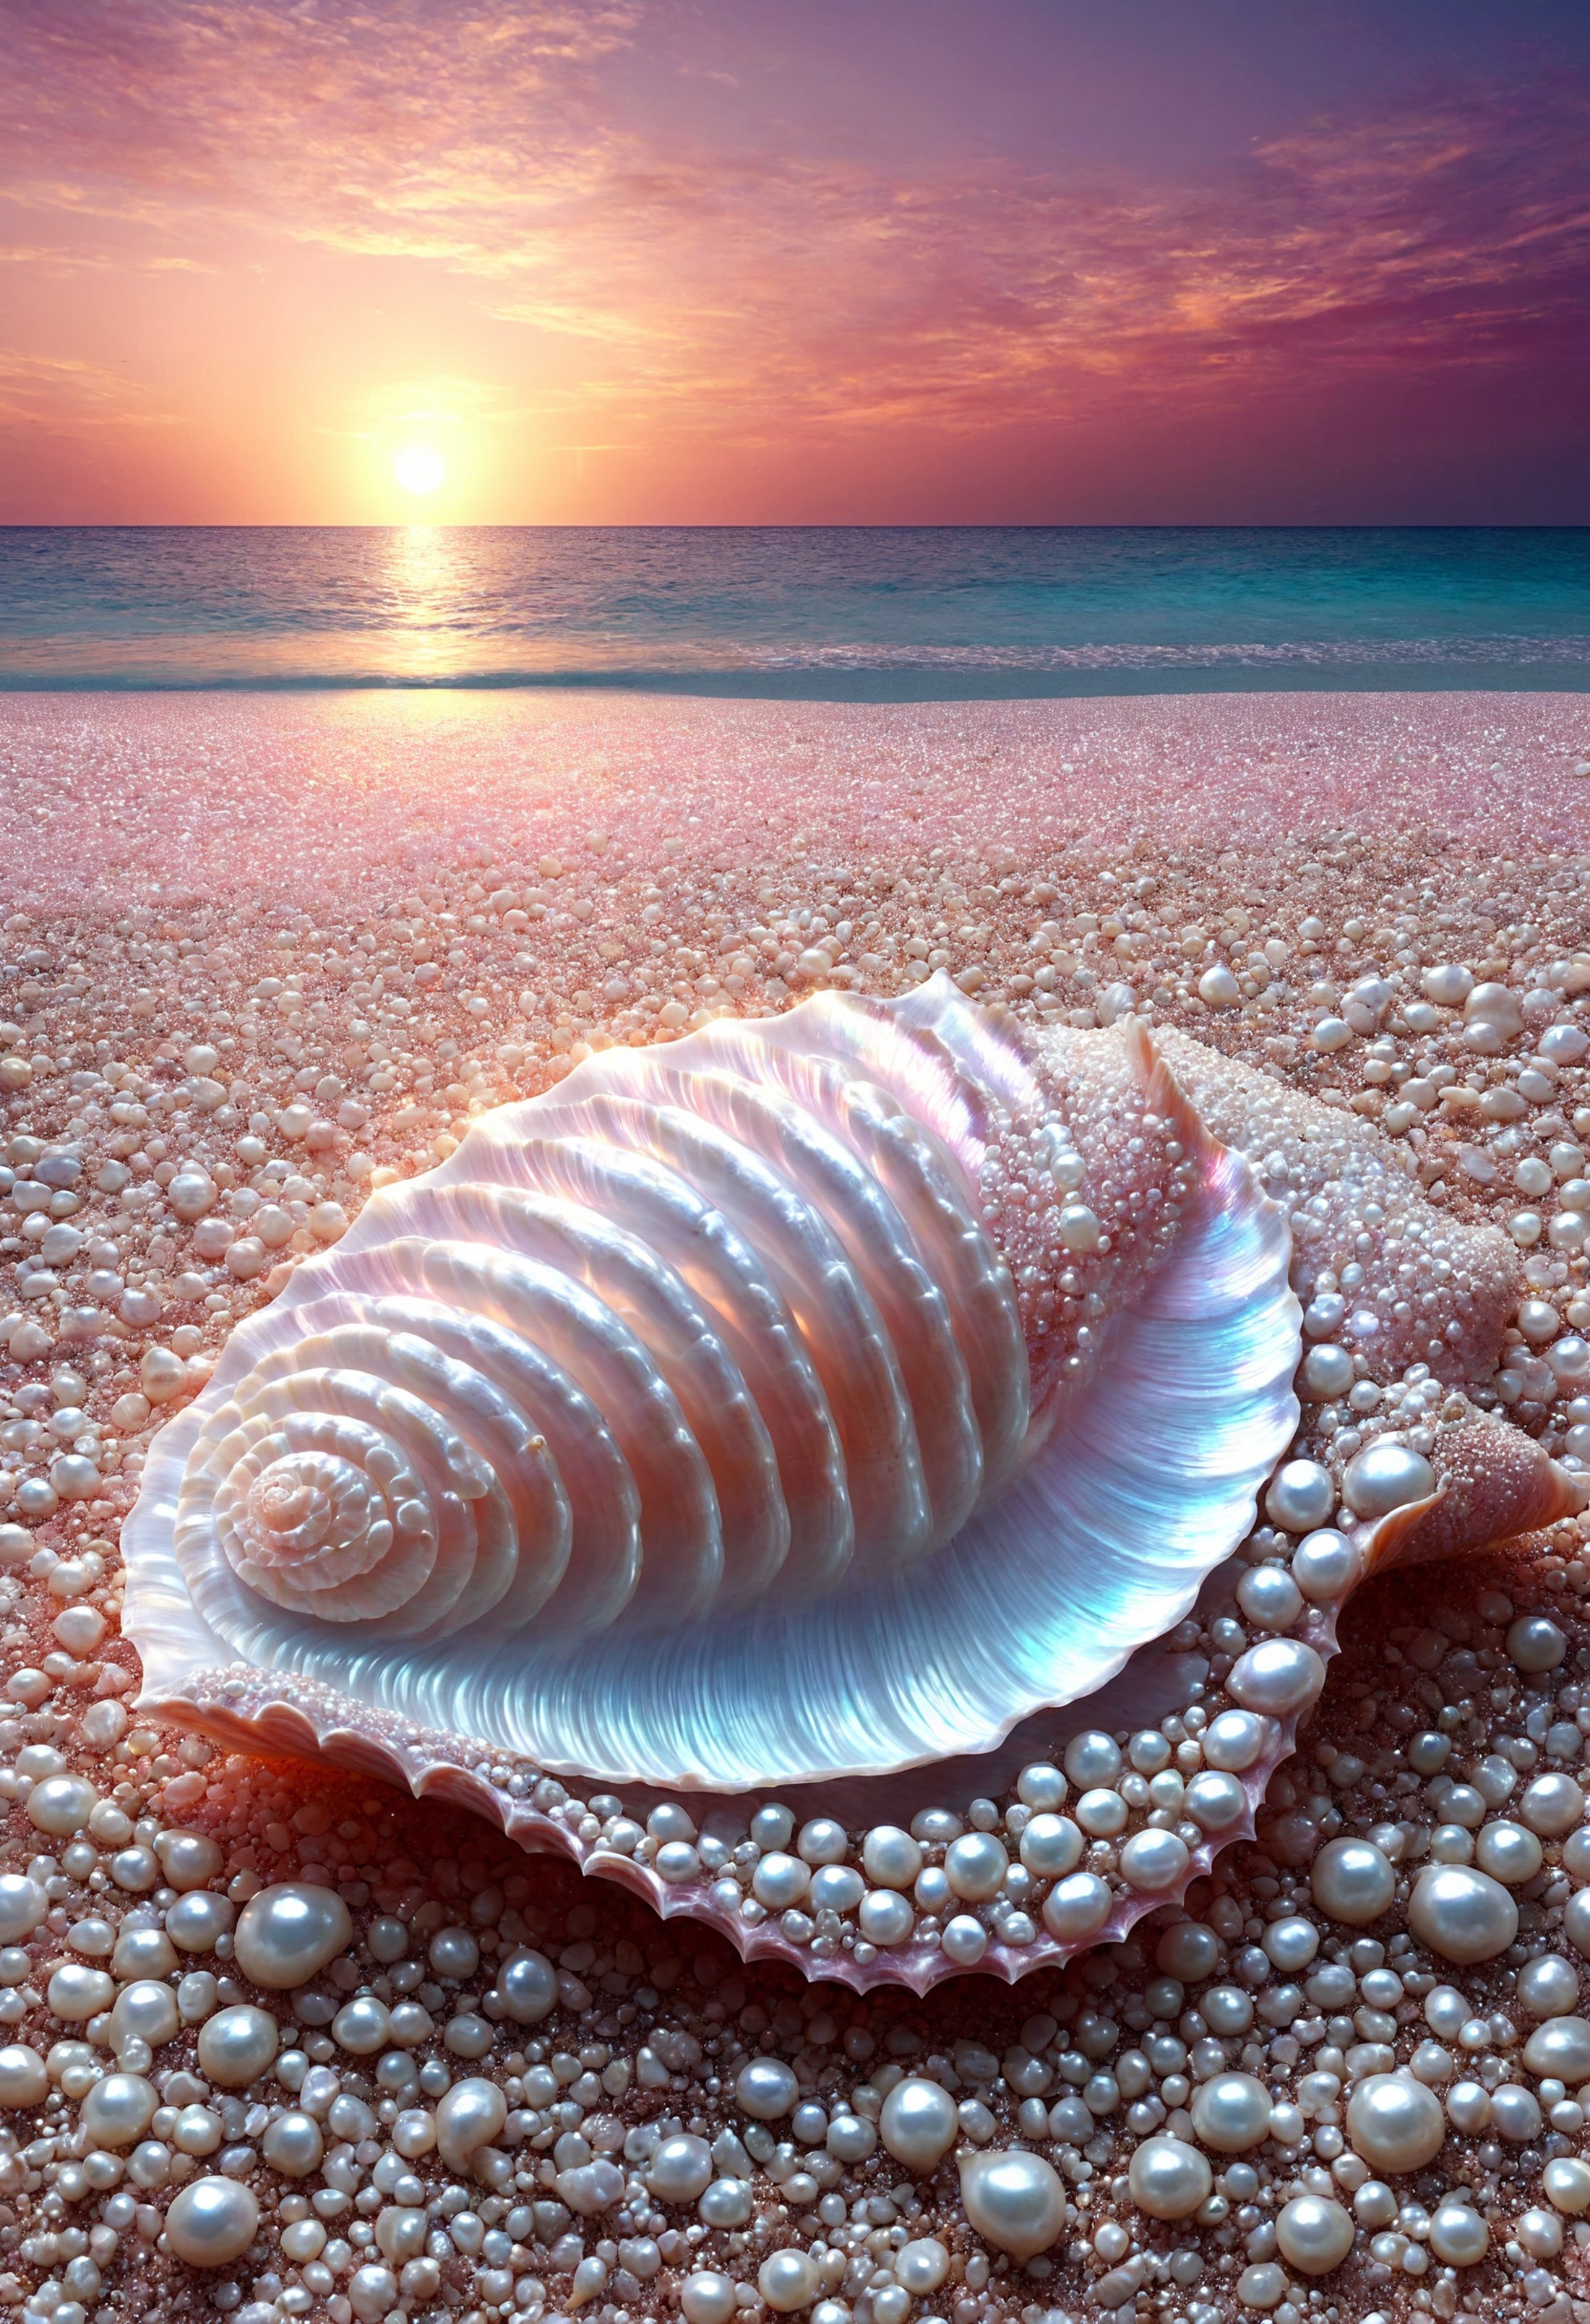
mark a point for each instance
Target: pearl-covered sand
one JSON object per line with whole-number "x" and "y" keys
{"x": 1250, "y": 871}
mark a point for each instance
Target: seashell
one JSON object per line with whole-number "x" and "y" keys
{"x": 837, "y": 1407}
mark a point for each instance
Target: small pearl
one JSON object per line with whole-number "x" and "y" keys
{"x": 1050, "y": 1845}
{"x": 212, "y": 2221}
{"x": 1153, "y": 1861}
{"x": 766, "y": 2089}
{"x": 1102, "y": 1813}
{"x": 1280, "y": 1677}
{"x": 1262, "y": 2286}
{"x": 1314, "y": 2235}
{"x": 293, "y": 2144}
{"x": 287, "y": 1933}
{"x": 1301, "y": 1498}
{"x": 1233, "y": 1741}
{"x": 1168, "y": 2178}
{"x": 1351, "y": 1881}
{"x": 1291, "y": 1944}
{"x": 1231, "y": 2113}
{"x": 890, "y": 1858}
{"x": 837, "y": 1888}
{"x": 918, "y": 2123}
{"x": 1458, "y": 2235}
{"x": 1269, "y": 1597}
{"x": 468, "y": 2117}
{"x": 117, "y": 2110}
{"x": 1014, "y": 2199}
{"x": 1324, "y": 1566}
{"x": 1385, "y": 1477}
{"x": 528, "y": 1985}
{"x": 921, "y": 2265}
{"x": 823, "y": 1841}
{"x": 964, "y": 1940}
{"x": 1395, "y": 2124}
{"x": 1327, "y": 1372}
{"x": 236, "y": 2044}
{"x": 1462, "y": 1915}
{"x": 1042, "y": 1787}
{"x": 1079, "y": 1907}
{"x": 885, "y": 1917}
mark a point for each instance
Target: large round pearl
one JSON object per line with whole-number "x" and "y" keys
{"x": 1547, "y": 1987}
{"x": 293, "y": 2144}
{"x": 1575, "y": 1921}
{"x": 116, "y": 2111}
{"x": 1314, "y": 2235}
{"x": 1324, "y": 1566}
{"x": 1233, "y": 1741}
{"x": 1462, "y": 1915}
{"x": 708, "y": 2298}
{"x": 235, "y": 2044}
{"x": 1535, "y": 1643}
{"x": 885, "y": 1917}
{"x": 963, "y": 1940}
{"x": 1214, "y": 1802}
{"x": 212, "y": 2221}
{"x": 1280, "y": 1677}
{"x": 1551, "y": 1805}
{"x": 1231, "y": 2113}
{"x": 681, "y": 2169}
{"x": 1567, "y": 2184}
{"x": 25, "y": 2078}
{"x": 145, "y": 2011}
{"x": 1051, "y": 1846}
{"x": 1168, "y": 2178}
{"x": 23, "y": 1906}
{"x": 1351, "y": 1881}
{"x": 1508, "y": 1851}
{"x": 922, "y": 2264}
{"x": 1385, "y": 1477}
{"x": 1153, "y": 1861}
{"x": 288, "y": 1933}
{"x": 1560, "y": 2049}
{"x": 918, "y": 2123}
{"x": 890, "y": 1858}
{"x": 976, "y": 1865}
{"x": 529, "y": 1987}
{"x": 1458, "y": 2237}
{"x": 766, "y": 2089}
{"x": 1301, "y": 1496}
{"x": 788, "y": 2281}
{"x": 468, "y": 2117}
{"x": 1395, "y": 2124}
{"x": 1327, "y": 1372}
{"x": 1077, "y": 1906}
{"x": 62, "y": 1804}
{"x": 1092, "y": 1759}
{"x": 1012, "y": 2199}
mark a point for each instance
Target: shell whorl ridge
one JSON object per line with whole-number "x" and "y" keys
{"x": 812, "y": 1397}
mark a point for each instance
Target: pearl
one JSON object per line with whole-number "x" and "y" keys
{"x": 1535, "y": 1643}
{"x": 1565, "y": 2182}
{"x": 890, "y": 1858}
{"x": 1327, "y": 1372}
{"x": 527, "y": 1984}
{"x": 1551, "y": 1805}
{"x": 1547, "y": 1987}
{"x": 837, "y": 1888}
{"x": 62, "y": 1804}
{"x": 195, "y": 1921}
{"x": 1050, "y": 1845}
{"x": 1231, "y": 2113}
{"x": 468, "y": 2117}
{"x": 1187, "y": 1951}
{"x": 1394, "y": 2122}
{"x": 1092, "y": 1759}
{"x": 212, "y": 2221}
{"x": 1560, "y": 2049}
{"x": 1314, "y": 2235}
{"x": 709, "y": 2298}
{"x": 676, "y": 1861}
{"x": 237, "y": 2044}
{"x": 1233, "y": 1741}
{"x": 1269, "y": 1597}
{"x": 885, "y": 1917}
{"x": 963, "y": 1940}
{"x": 1014, "y": 2199}
{"x": 23, "y": 1906}
{"x": 1301, "y": 1498}
{"x": 788, "y": 2281}
{"x": 681, "y": 2169}
{"x": 976, "y": 1865}
{"x": 921, "y": 2265}
{"x": 1508, "y": 1852}
{"x": 1042, "y": 1787}
{"x": 823, "y": 1841}
{"x": 24, "y": 2080}
{"x": 1262, "y": 2285}
{"x": 117, "y": 2110}
{"x": 1153, "y": 1861}
{"x": 1214, "y": 1802}
{"x": 288, "y": 1933}
{"x": 1280, "y": 1677}
{"x": 1102, "y": 1813}
{"x": 1462, "y": 1915}
{"x": 727, "y": 2203}
{"x": 1324, "y": 1566}
{"x": 293, "y": 2144}
{"x": 1384, "y": 1477}
{"x": 918, "y": 2123}
{"x": 1353, "y": 1881}
{"x": 1516, "y": 2113}
{"x": 1168, "y": 2178}
{"x": 1575, "y": 1921}
{"x": 76, "y": 1993}
{"x": 766, "y": 2089}
{"x": 1458, "y": 2236}
{"x": 780, "y": 1881}
{"x": 1078, "y": 1907}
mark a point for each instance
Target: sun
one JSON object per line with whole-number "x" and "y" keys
{"x": 419, "y": 469}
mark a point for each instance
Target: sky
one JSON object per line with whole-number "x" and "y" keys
{"x": 794, "y": 261}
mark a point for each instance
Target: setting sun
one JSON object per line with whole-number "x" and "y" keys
{"x": 419, "y": 468}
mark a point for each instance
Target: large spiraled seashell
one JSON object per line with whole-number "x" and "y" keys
{"x": 767, "y": 1414}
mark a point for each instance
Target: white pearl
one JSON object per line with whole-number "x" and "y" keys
{"x": 1565, "y": 2181}
{"x": 1327, "y": 1372}
{"x": 709, "y": 2298}
{"x": 1385, "y": 1477}
{"x": 1547, "y": 1987}
{"x": 837, "y": 1888}
{"x": 1233, "y": 1741}
{"x": 289, "y": 1932}
{"x": 1458, "y": 2237}
{"x": 1560, "y": 2049}
{"x": 1269, "y": 1597}
{"x": 976, "y": 1865}
{"x": 890, "y": 1858}
{"x": 237, "y": 2044}
{"x": 195, "y": 1921}
{"x": 362, "y": 2026}
{"x": 1395, "y": 2124}
{"x": 1508, "y": 1851}
{"x": 76, "y": 1992}
{"x": 1102, "y": 1813}
{"x": 964, "y": 1940}
{"x": 1353, "y": 1881}
{"x": 1231, "y": 2113}
{"x": 62, "y": 1804}
{"x": 1535, "y": 1643}
{"x": 1291, "y": 1944}
{"x": 117, "y": 2110}
{"x": 1301, "y": 1498}
{"x": 681, "y": 2170}
{"x": 212, "y": 2221}
{"x": 23, "y": 1906}
{"x": 1042, "y": 1787}
{"x": 1014, "y": 2199}
{"x": 1551, "y": 1805}
{"x": 788, "y": 2281}
{"x": 1153, "y": 1861}
{"x": 780, "y": 1881}
{"x": 1168, "y": 2178}
{"x": 468, "y": 2117}
{"x": 885, "y": 1917}
{"x": 144, "y": 2011}
{"x": 1314, "y": 2235}
{"x": 1462, "y": 1915}
{"x": 823, "y": 1841}
{"x": 766, "y": 2089}
{"x": 293, "y": 2144}
{"x": 1214, "y": 1802}
{"x": 24, "y": 2079}
{"x": 1092, "y": 1759}
{"x": 1050, "y": 1845}
{"x": 918, "y": 2123}
{"x": 529, "y": 1987}
{"x": 1324, "y": 1565}
{"x": 1279, "y": 1676}
{"x": 1575, "y": 1921}
{"x": 921, "y": 2265}
{"x": 676, "y": 1861}
{"x": 1079, "y": 1906}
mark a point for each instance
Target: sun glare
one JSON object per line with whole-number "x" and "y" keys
{"x": 418, "y": 469}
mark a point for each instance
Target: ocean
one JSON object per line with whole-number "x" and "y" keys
{"x": 858, "y": 613}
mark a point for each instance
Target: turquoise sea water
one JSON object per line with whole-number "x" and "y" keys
{"x": 871, "y": 613}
